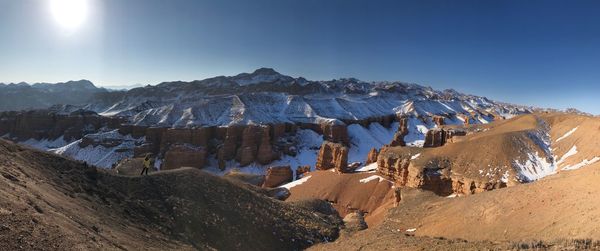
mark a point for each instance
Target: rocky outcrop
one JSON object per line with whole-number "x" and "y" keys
{"x": 332, "y": 155}
{"x": 277, "y": 176}
{"x": 355, "y": 222}
{"x": 461, "y": 185}
{"x": 227, "y": 150}
{"x": 133, "y": 130}
{"x": 398, "y": 139}
{"x": 439, "y": 137}
{"x": 107, "y": 142}
{"x": 467, "y": 118}
{"x": 438, "y": 120}
{"x": 398, "y": 167}
{"x": 337, "y": 133}
{"x": 246, "y": 153}
{"x": 435, "y": 138}
{"x": 47, "y": 124}
{"x": 265, "y": 154}
{"x": 142, "y": 150}
{"x": 372, "y": 156}
{"x": 182, "y": 155}
{"x": 301, "y": 170}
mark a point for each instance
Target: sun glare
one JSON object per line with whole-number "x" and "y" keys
{"x": 69, "y": 14}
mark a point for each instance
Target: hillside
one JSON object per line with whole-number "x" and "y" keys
{"x": 247, "y": 120}
{"x": 57, "y": 204}
{"x": 555, "y": 211}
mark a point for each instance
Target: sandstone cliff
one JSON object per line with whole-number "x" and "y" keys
{"x": 332, "y": 155}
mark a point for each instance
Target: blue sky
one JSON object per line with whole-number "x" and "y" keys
{"x": 544, "y": 53}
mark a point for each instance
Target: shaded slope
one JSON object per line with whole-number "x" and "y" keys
{"x": 68, "y": 205}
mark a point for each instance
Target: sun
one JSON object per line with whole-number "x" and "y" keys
{"x": 69, "y": 14}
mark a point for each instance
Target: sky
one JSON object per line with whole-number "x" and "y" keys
{"x": 542, "y": 53}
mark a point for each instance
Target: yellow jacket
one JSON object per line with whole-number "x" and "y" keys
{"x": 147, "y": 162}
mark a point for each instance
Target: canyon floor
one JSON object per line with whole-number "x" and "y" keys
{"x": 53, "y": 203}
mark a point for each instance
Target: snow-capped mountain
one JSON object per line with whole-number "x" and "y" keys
{"x": 250, "y": 120}
{"x": 266, "y": 96}
{"x": 24, "y": 96}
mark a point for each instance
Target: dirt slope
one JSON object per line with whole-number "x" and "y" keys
{"x": 348, "y": 192}
{"x": 560, "y": 206}
{"x": 50, "y": 203}
{"x": 555, "y": 213}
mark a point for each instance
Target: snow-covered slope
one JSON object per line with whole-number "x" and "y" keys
{"x": 266, "y": 96}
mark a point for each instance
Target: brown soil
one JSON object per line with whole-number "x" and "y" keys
{"x": 558, "y": 212}
{"x": 347, "y": 193}
{"x": 51, "y": 203}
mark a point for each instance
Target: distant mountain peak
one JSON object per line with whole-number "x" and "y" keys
{"x": 81, "y": 83}
{"x": 261, "y": 75}
{"x": 265, "y": 71}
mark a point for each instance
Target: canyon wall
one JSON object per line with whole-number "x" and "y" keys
{"x": 399, "y": 167}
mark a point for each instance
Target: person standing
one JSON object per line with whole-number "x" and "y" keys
{"x": 147, "y": 164}
{"x": 397, "y": 196}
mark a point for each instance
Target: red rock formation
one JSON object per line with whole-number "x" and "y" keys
{"x": 175, "y": 136}
{"x": 181, "y": 155}
{"x": 438, "y": 120}
{"x": 46, "y": 124}
{"x": 228, "y": 149}
{"x": 337, "y": 133}
{"x": 278, "y": 130}
{"x": 398, "y": 167}
{"x": 467, "y": 118}
{"x": 435, "y": 138}
{"x": 439, "y": 137}
{"x": 398, "y": 139}
{"x": 246, "y": 153}
{"x": 301, "y": 170}
{"x": 142, "y": 150}
{"x": 332, "y": 155}
{"x": 372, "y": 157}
{"x": 277, "y": 176}
{"x": 154, "y": 138}
{"x": 265, "y": 154}
{"x": 133, "y": 130}
{"x": 201, "y": 136}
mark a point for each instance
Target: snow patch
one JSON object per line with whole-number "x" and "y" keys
{"x": 567, "y": 134}
{"x": 362, "y": 139}
{"x": 416, "y": 156}
{"x": 367, "y": 168}
{"x": 370, "y": 178}
{"x": 534, "y": 168}
{"x": 581, "y": 164}
{"x": 296, "y": 182}
{"x": 100, "y": 156}
{"x": 570, "y": 153}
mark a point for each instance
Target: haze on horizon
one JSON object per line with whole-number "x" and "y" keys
{"x": 542, "y": 53}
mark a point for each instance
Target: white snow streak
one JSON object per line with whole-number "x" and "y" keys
{"x": 581, "y": 164}
{"x": 570, "y": 153}
{"x": 567, "y": 134}
{"x": 367, "y": 168}
{"x": 296, "y": 182}
{"x": 370, "y": 178}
